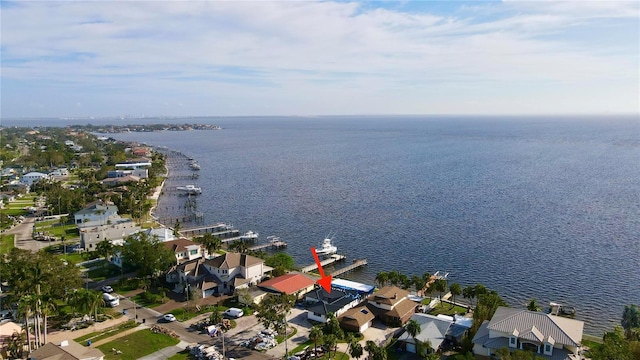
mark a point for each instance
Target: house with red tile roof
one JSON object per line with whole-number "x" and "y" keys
{"x": 290, "y": 284}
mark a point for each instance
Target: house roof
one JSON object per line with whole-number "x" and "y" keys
{"x": 289, "y": 283}
{"x": 356, "y": 317}
{"x": 232, "y": 260}
{"x": 537, "y": 326}
{"x": 179, "y": 245}
{"x": 389, "y": 295}
{"x": 98, "y": 205}
{"x": 432, "y": 329}
{"x": 71, "y": 351}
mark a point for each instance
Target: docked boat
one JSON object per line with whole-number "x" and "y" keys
{"x": 249, "y": 236}
{"x": 194, "y": 165}
{"x": 190, "y": 189}
{"x": 327, "y": 248}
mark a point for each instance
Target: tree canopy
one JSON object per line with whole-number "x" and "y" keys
{"x": 147, "y": 253}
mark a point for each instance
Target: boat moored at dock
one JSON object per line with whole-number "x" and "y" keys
{"x": 327, "y": 248}
{"x": 189, "y": 189}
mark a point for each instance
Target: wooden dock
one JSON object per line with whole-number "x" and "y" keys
{"x": 356, "y": 264}
{"x": 273, "y": 244}
{"x": 334, "y": 258}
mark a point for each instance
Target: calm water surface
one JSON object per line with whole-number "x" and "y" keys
{"x": 544, "y": 208}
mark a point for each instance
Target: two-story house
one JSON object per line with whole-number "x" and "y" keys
{"x": 548, "y": 336}
{"x": 391, "y": 305}
{"x": 98, "y": 211}
{"x": 185, "y": 249}
{"x": 221, "y": 275}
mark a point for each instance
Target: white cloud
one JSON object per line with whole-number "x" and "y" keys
{"x": 321, "y": 56}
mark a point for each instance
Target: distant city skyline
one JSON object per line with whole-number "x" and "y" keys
{"x": 300, "y": 58}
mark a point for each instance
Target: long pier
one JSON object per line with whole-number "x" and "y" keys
{"x": 356, "y": 264}
{"x": 273, "y": 245}
{"x": 334, "y": 258}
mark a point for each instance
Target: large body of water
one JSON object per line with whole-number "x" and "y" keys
{"x": 545, "y": 208}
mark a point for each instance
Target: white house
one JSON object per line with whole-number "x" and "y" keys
{"x": 33, "y": 177}
{"x": 434, "y": 330}
{"x": 96, "y": 211}
{"x": 185, "y": 250}
{"x": 115, "y": 232}
{"x": 548, "y": 336}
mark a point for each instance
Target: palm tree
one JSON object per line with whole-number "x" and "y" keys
{"x": 382, "y": 278}
{"x": 239, "y": 246}
{"x": 349, "y": 339}
{"x": 533, "y": 305}
{"x": 630, "y": 319}
{"x": 26, "y": 310}
{"x": 441, "y": 286}
{"x": 106, "y": 249}
{"x": 331, "y": 341}
{"x": 47, "y": 307}
{"x": 95, "y": 301}
{"x": 356, "y": 350}
{"x": 469, "y": 292}
{"x": 210, "y": 242}
{"x": 413, "y": 329}
{"x": 455, "y": 290}
{"x": 315, "y": 335}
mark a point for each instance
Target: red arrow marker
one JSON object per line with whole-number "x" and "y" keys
{"x": 325, "y": 281}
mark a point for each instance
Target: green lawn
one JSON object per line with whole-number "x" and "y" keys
{"x": 446, "y": 309}
{"x": 6, "y": 243}
{"x": 102, "y": 272}
{"x": 103, "y": 334}
{"x": 137, "y": 345}
{"x": 14, "y": 211}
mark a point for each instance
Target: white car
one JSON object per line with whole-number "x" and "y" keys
{"x": 233, "y": 312}
{"x": 106, "y": 289}
{"x": 168, "y": 317}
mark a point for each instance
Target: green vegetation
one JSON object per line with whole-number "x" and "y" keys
{"x": 447, "y": 309}
{"x": 102, "y": 271}
{"x": 137, "y": 345}
{"x": 6, "y": 243}
{"x": 103, "y": 334}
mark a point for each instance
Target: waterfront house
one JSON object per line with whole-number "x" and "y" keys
{"x": 548, "y": 336}
{"x": 391, "y": 305}
{"x": 96, "y": 211}
{"x": 435, "y": 330}
{"x": 116, "y": 181}
{"x": 67, "y": 350}
{"x": 291, "y": 284}
{"x": 337, "y": 302}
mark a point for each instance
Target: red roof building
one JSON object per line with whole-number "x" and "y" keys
{"x": 292, "y": 283}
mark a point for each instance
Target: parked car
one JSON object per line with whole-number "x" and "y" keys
{"x": 168, "y": 317}
{"x": 233, "y": 312}
{"x": 107, "y": 289}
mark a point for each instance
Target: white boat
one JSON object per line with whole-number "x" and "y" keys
{"x": 327, "y": 248}
{"x": 194, "y": 166}
{"x": 249, "y": 236}
{"x": 189, "y": 189}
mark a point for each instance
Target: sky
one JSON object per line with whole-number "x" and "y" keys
{"x": 236, "y": 58}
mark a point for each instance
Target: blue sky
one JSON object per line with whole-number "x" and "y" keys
{"x": 109, "y": 58}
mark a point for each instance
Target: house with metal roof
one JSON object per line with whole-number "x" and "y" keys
{"x": 434, "y": 330}
{"x": 548, "y": 336}
{"x": 96, "y": 211}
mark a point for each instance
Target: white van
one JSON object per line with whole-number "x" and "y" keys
{"x": 233, "y": 312}
{"x": 111, "y": 300}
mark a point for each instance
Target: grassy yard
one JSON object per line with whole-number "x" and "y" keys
{"x": 103, "y": 334}
{"x": 102, "y": 272}
{"x": 6, "y": 243}
{"x": 137, "y": 345}
{"x": 446, "y": 309}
